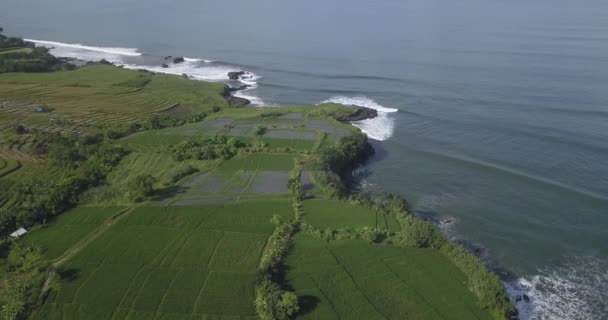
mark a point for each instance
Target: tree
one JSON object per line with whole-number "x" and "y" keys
{"x": 260, "y": 130}
{"x": 272, "y": 303}
{"x": 140, "y": 187}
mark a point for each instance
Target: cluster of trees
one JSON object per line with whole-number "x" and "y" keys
{"x": 295, "y": 185}
{"x": 271, "y": 301}
{"x": 31, "y": 60}
{"x": 84, "y": 161}
{"x": 23, "y": 271}
{"x": 208, "y": 148}
{"x": 336, "y": 162}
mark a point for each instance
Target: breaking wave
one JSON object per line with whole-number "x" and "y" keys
{"x": 576, "y": 290}
{"x": 379, "y": 128}
{"x": 131, "y": 58}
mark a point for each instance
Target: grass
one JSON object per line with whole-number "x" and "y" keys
{"x": 337, "y": 214}
{"x": 352, "y": 279}
{"x": 15, "y": 50}
{"x": 168, "y": 263}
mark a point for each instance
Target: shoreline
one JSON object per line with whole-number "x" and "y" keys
{"x": 359, "y": 113}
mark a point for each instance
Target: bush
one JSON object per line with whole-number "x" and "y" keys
{"x": 419, "y": 234}
{"x": 179, "y": 173}
{"x": 483, "y": 283}
{"x": 140, "y": 187}
{"x": 272, "y": 303}
{"x": 208, "y": 148}
{"x": 260, "y": 130}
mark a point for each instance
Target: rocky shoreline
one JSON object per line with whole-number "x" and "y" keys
{"x": 359, "y": 113}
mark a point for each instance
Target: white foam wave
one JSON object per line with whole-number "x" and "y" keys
{"x": 255, "y": 101}
{"x": 194, "y": 68}
{"x": 84, "y": 52}
{"x": 197, "y": 60}
{"x": 577, "y": 290}
{"x": 379, "y": 128}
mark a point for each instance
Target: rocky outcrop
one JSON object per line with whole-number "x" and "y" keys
{"x": 164, "y": 65}
{"x": 168, "y": 57}
{"x": 178, "y": 60}
{"x": 243, "y": 87}
{"x": 358, "y": 114}
{"x": 236, "y": 102}
{"x": 236, "y": 75}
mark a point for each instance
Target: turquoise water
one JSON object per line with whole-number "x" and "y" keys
{"x": 494, "y": 114}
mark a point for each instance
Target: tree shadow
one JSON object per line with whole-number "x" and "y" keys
{"x": 168, "y": 192}
{"x": 307, "y": 304}
{"x": 69, "y": 274}
{"x": 4, "y": 250}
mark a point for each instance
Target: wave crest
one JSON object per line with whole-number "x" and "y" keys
{"x": 77, "y": 49}
{"x": 379, "y": 128}
{"x": 195, "y": 68}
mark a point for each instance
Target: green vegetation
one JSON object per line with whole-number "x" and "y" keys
{"x": 17, "y": 55}
{"x": 146, "y": 196}
{"x": 140, "y": 187}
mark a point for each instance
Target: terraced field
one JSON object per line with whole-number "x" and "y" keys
{"x": 168, "y": 263}
{"x": 98, "y": 95}
{"x": 8, "y": 166}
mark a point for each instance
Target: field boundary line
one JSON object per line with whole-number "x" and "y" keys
{"x": 160, "y": 303}
{"x": 357, "y": 285}
{"x": 77, "y": 248}
{"x": 422, "y": 298}
{"x": 331, "y": 303}
{"x": 217, "y": 245}
{"x": 92, "y": 236}
{"x": 124, "y": 296}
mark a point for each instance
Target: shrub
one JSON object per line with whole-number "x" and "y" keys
{"x": 272, "y": 303}
{"x": 140, "y": 187}
{"x": 483, "y": 283}
{"x": 260, "y": 130}
{"x": 419, "y": 234}
{"x": 208, "y": 148}
{"x": 178, "y": 173}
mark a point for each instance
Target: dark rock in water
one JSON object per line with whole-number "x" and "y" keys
{"x": 178, "y": 60}
{"x": 164, "y": 65}
{"x": 236, "y": 75}
{"x": 168, "y": 57}
{"x": 526, "y": 298}
{"x": 185, "y": 76}
{"x": 358, "y": 114}
{"x": 237, "y": 101}
{"x": 104, "y": 61}
{"x": 243, "y": 87}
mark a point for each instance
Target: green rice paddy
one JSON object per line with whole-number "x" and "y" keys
{"x": 193, "y": 249}
{"x": 167, "y": 262}
{"x": 351, "y": 279}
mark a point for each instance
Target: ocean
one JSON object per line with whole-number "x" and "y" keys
{"x": 493, "y": 115}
